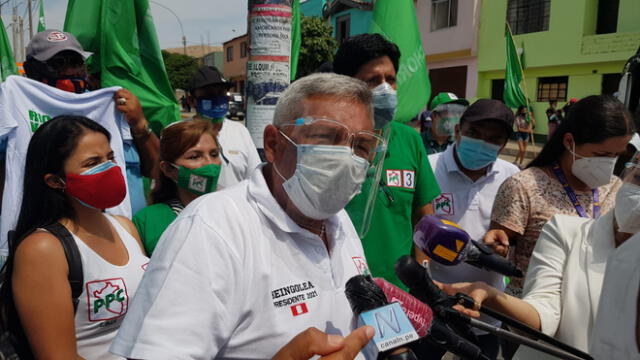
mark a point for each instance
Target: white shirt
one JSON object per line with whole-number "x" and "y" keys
{"x": 240, "y": 153}
{"x": 26, "y": 104}
{"x": 107, "y": 292}
{"x": 233, "y": 277}
{"x": 614, "y": 333}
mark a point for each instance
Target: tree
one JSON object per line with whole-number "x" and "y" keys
{"x": 180, "y": 69}
{"x": 318, "y": 44}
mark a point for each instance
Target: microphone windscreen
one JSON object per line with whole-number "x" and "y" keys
{"x": 419, "y": 313}
{"x": 442, "y": 240}
{"x": 363, "y": 294}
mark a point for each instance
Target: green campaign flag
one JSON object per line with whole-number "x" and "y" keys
{"x": 123, "y": 39}
{"x": 513, "y": 95}
{"x": 396, "y": 21}
{"x": 41, "y": 25}
{"x": 296, "y": 38}
{"x": 7, "y": 61}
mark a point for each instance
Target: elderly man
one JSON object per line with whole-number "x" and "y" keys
{"x": 243, "y": 270}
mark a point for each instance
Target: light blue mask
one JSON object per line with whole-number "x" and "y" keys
{"x": 385, "y": 102}
{"x": 213, "y": 108}
{"x": 475, "y": 154}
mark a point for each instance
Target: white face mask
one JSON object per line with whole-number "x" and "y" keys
{"x": 594, "y": 171}
{"x": 326, "y": 178}
{"x": 385, "y": 102}
{"x": 627, "y": 209}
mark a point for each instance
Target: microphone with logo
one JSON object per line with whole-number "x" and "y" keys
{"x": 448, "y": 244}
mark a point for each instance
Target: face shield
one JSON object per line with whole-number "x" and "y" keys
{"x": 332, "y": 164}
{"x": 448, "y": 116}
{"x": 627, "y": 208}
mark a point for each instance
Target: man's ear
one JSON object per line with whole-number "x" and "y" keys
{"x": 270, "y": 142}
{"x": 54, "y": 182}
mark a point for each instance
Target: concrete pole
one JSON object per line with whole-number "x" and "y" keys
{"x": 14, "y": 32}
{"x": 30, "y": 19}
{"x": 22, "y": 46}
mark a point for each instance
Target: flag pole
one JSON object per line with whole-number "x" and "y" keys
{"x": 524, "y": 81}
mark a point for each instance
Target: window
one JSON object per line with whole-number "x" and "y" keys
{"x": 552, "y": 88}
{"x": 444, "y": 14}
{"x": 607, "y": 16}
{"x": 610, "y": 83}
{"x": 497, "y": 89}
{"x": 243, "y": 49}
{"x": 230, "y": 54}
{"x": 343, "y": 28}
{"x": 527, "y": 16}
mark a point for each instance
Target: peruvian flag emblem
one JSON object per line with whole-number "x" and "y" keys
{"x": 299, "y": 309}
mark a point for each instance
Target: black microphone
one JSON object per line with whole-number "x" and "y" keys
{"x": 448, "y": 244}
{"x": 364, "y": 296}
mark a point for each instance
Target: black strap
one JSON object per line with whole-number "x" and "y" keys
{"x": 76, "y": 278}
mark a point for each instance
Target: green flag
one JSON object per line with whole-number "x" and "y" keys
{"x": 41, "y": 25}
{"x": 7, "y": 61}
{"x": 513, "y": 95}
{"x": 396, "y": 21}
{"x": 122, "y": 36}
{"x": 296, "y": 38}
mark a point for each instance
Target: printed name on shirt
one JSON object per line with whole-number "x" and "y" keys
{"x": 401, "y": 178}
{"x": 295, "y": 294}
{"x": 36, "y": 119}
{"x": 107, "y": 299}
{"x": 443, "y": 204}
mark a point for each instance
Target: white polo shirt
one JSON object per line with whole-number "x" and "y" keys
{"x": 241, "y": 156}
{"x": 234, "y": 277}
{"x": 468, "y": 204}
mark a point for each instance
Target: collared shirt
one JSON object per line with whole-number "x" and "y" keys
{"x": 234, "y": 277}
{"x": 431, "y": 145}
{"x": 241, "y": 156}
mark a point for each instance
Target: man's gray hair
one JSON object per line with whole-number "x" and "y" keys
{"x": 290, "y": 104}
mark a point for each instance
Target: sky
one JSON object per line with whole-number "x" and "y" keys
{"x": 209, "y": 21}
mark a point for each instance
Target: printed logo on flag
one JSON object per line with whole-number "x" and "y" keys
{"x": 299, "y": 309}
{"x": 197, "y": 183}
{"x": 56, "y": 36}
{"x": 361, "y": 265}
{"x": 394, "y": 178}
{"x": 107, "y": 299}
{"x": 443, "y": 204}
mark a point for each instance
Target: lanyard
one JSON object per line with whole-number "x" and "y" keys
{"x": 572, "y": 195}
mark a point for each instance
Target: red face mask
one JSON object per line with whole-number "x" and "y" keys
{"x": 78, "y": 85}
{"x": 101, "y": 190}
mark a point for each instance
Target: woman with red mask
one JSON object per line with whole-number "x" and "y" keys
{"x": 70, "y": 178}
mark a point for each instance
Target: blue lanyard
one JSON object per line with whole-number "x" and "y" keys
{"x": 572, "y": 195}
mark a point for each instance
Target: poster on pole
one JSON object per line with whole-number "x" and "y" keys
{"x": 268, "y": 69}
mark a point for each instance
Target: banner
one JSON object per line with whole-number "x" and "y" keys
{"x": 7, "y": 61}
{"x": 41, "y": 25}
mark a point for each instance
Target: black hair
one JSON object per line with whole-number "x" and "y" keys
{"x": 592, "y": 120}
{"x": 38, "y": 70}
{"x": 520, "y": 108}
{"x": 360, "y": 49}
{"x": 49, "y": 148}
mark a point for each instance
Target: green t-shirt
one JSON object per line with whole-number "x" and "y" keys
{"x": 407, "y": 184}
{"x": 151, "y": 222}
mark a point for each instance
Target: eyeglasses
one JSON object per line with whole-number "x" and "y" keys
{"x": 324, "y": 131}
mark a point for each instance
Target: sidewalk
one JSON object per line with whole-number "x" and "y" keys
{"x": 511, "y": 150}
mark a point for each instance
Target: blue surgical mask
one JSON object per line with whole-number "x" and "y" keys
{"x": 100, "y": 168}
{"x": 212, "y": 108}
{"x": 475, "y": 154}
{"x": 385, "y": 101}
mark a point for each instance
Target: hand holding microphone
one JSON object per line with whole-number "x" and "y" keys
{"x": 312, "y": 342}
{"x": 448, "y": 244}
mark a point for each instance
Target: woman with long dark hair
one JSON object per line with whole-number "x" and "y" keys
{"x": 523, "y": 134}
{"x": 189, "y": 167}
{"x": 70, "y": 178}
{"x": 572, "y": 175}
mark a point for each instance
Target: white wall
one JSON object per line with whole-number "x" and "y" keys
{"x": 460, "y": 37}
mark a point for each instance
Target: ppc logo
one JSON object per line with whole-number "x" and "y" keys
{"x": 443, "y": 204}
{"x": 56, "y": 36}
{"x": 107, "y": 299}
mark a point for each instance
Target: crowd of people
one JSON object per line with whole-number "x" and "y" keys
{"x": 230, "y": 257}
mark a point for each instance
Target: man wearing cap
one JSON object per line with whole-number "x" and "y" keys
{"x": 469, "y": 174}
{"x": 446, "y": 109}
{"x": 208, "y": 94}
{"x": 56, "y": 58}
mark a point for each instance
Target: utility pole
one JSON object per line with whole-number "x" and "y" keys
{"x": 14, "y": 32}
{"x": 30, "y": 19}
{"x": 22, "y": 47}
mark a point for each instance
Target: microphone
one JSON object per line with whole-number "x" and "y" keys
{"x": 435, "y": 330}
{"x": 393, "y": 330}
{"x": 448, "y": 244}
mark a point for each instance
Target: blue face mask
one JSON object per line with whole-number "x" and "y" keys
{"x": 475, "y": 154}
{"x": 385, "y": 101}
{"x": 213, "y": 108}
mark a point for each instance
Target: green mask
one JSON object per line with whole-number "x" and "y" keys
{"x": 200, "y": 181}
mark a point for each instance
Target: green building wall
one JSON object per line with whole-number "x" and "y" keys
{"x": 569, "y": 48}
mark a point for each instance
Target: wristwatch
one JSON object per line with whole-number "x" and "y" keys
{"x": 142, "y": 134}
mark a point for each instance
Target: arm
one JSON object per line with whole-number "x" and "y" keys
{"x": 42, "y": 297}
{"x": 509, "y": 215}
{"x": 146, "y": 142}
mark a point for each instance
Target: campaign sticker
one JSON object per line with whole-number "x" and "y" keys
{"x": 392, "y": 326}
{"x": 443, "y": 204}
{"x": 394, "y": 178}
